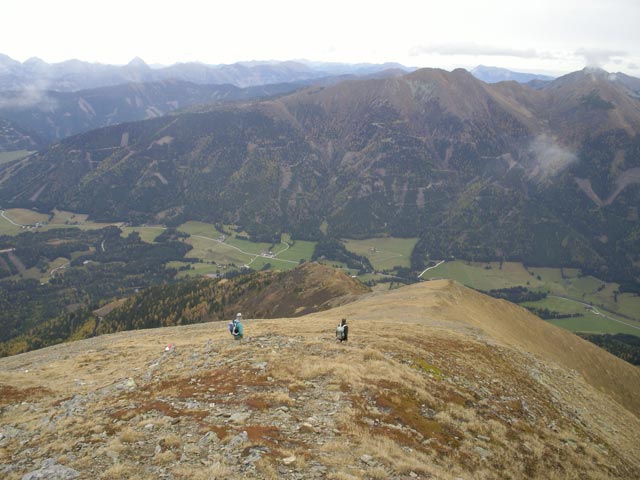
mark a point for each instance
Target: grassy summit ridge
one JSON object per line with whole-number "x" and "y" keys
{"x": 436, "y": 381}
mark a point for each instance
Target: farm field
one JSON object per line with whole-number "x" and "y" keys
{"x": 147, "y": 234}
{"x": 196, "y": 270}
{"x": 561, "y": 283}
{"x": 6, "y": 157}
{"x": 204, "y": 239}
{"x": 477, "y": 276}
{"x": 7, "y": 228}
{"x": 384, "y": 253}
{"x": 588, "y": 321}
{"x": 24, "y": 216}
{"x": 60, "y": 219}
{"x": 300, "y": 249}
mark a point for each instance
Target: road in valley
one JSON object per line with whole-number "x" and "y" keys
{"x": 596, "y": 311}
{"x": 9, "y": 220}
{"x": 429, "y": 268}
{"x": 254, "y": 255}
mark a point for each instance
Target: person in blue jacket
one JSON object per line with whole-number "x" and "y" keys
{"x": 235, "y": 327}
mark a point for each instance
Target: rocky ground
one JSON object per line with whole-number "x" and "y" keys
{"x": 425, "y": 401}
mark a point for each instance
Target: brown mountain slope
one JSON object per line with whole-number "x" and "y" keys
{"x": 506, "y": 323}
{"x": 310, "y": 287}
{"x": 429, "y": 385}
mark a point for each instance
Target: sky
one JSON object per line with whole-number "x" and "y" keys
{"x": 542, "y": 36}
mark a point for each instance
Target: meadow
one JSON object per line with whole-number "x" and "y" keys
{"x": 6, "y": 157}
{"x": 568, "y": 293}
{"x": 384, "y": 253}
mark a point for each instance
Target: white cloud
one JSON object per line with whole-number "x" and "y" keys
{"x": 597, "y": 57}
{"x": 549, "y": 157}
{"x": 474, "y": 49}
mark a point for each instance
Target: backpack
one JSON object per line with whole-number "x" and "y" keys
{"x": 340, "y": 332}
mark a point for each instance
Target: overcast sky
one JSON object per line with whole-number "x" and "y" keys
{"x": 546, "y": 36}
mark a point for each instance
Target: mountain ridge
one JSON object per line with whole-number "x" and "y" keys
{"x": 73, "y": 75}
{"x": 494, "y": 170}
{"x": 496, "y": 74}
{"x": 418, "y": 391}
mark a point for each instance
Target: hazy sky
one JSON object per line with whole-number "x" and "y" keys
{"x": 553, "y": 36}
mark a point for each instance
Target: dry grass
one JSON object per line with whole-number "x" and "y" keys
{"x": 120, "y": 470}
{"x": 423, "y": 401}
{"x": 165, "y": 458}
{"x": 171, "y": 441}
{"x": 129, "y": 435}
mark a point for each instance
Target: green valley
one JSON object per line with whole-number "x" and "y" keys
{"x": 598, "y": 306}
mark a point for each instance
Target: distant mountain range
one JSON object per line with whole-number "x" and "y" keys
{"x": 52, "y": 115}
{"x": 495, "y": 74}
{"x": 41, "y": 103}
{"x": 74, "y": 75}
{"x": 476, "y": 170}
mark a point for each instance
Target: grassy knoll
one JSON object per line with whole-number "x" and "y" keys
{"x": 568, "y": 283}
{"x": 384, "y": 253}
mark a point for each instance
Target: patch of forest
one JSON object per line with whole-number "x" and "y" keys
{"x": 627, "y": 347}
{"x": 103, "y": 266}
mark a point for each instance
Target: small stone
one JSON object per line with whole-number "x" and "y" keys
{"x": 209, "y": 437}
{"x": 483, "y": 438}
{"x": 260, "y": 365}
{"x": 239, "y": 417}
{"x": 191, "y": 448}
{"x": 413, "y": 474}
{"x": 483, "y": 452}
{"x": 242, "y": 437}
{"x": 112, "y": 454}
{"x": 289, "y": 460}
{"x": 149, "y": 426}
{"x": 368, "y": 459}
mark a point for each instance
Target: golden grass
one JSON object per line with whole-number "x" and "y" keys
{"x": 164, "y": 458}
{"x": 129, "y": 435}
{"x": 120, "y": 470}
{"x": 418, "y": 400}
{"x": 171, "y": 441}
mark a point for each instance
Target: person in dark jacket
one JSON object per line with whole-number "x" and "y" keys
{"x": 342, "y": 332}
